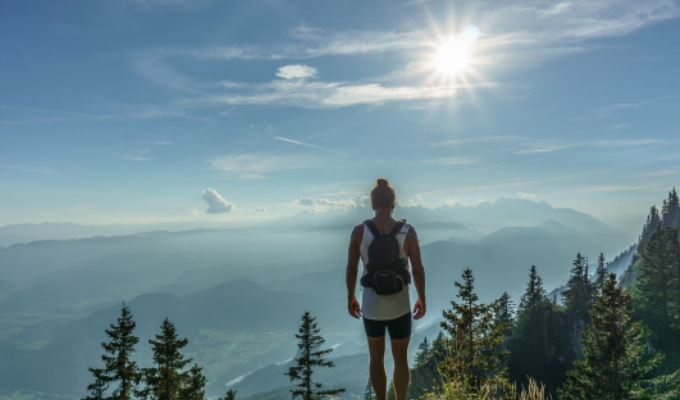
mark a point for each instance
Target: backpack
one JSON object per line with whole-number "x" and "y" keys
{"x": 386, "y": 272}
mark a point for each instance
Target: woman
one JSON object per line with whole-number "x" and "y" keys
{"x": 391, "y": 311}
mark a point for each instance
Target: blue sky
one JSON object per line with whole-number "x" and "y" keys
{"x": 129, "y": 110}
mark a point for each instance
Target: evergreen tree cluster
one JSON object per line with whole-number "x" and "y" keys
{"x": 168, "y": 379}
{"x": 657, "y": 292}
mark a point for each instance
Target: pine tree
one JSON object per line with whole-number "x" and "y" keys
{"x": 231, "y": 395}
{"x": 194, "y": 388}
{"x": 439, "y": 344}
{"x": 97, "y": 389}
{"x": 670, "y": 212}
{"x": 657, "y": 290}
{"x": 424, "y": 351}
{"x": 530, "y": 348}
{"x": 476, "y": 338}
{"x": 369, "y": 394}
{"x": 119, "y": 366}
{"x": 601, "y": 275}
{"x": 614, "y": 351}
{"x": 506, "y": 313}
{"x": 653, "y": 222}
{"x": 579, "y": 295}
{"x": 309, "y": 357}
{"x": 167, "y": 380}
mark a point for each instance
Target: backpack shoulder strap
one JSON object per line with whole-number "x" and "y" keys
{"x": 372, "y": 227}
{"x": 397, "y": 228}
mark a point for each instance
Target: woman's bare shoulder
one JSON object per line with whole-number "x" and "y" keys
{"x": 358, "y": 232}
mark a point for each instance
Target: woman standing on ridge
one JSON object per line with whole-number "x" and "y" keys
{"x": 385, "y": 246}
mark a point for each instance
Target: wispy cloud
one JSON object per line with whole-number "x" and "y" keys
{"x": 664, "y": 172}
{"x": 62, "y": 116}
{"x": 615, "y": 188}
{"x": 453, "y": 161}
{"x": 465, "y": 141}
{"x": 638, "y": 104}
{"x": 628, "y": 142}
{"x": 527, "y": 196}
{"x": 549, "y": 147}
{"x": 320, "y": 95}
{"x": 610, "y": 110}
{"x": 139, "y": 156}
{"x": 283, "y": 139}
{"x": 257, "y": 165}
{"x": 537, "y": 148}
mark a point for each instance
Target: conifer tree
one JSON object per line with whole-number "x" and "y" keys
{"x": 167, "y": 379}
{"x": 97, "y": 389}
{"x": 613, "y": 349}
{"x": 424, "y": 351}
{"x": 119, "y": 368}
{"x": 476, "y": 358}
{"x": 439, "y": 344}
{"x": 601, "y": 274}
{"x": 506, "y": 313}
{"x": 670, "y": 212}
{"x": 369, "y": 394}
{"x": 579, "y": 294}
{"x": 653, "y": 222}
{"x": 657, "y": 290}
{"x": 309, "y": 357}
{"x": 231, "y": 395}
{"x": 194, "y": 388}
{"x": 530, "y": 348}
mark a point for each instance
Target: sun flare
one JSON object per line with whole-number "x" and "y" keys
{"x": 453, "y": 56}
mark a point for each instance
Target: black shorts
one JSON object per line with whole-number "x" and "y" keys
{"x": 398, "y": 328}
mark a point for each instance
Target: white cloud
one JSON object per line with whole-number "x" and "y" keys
{"x": 256, "y": 165}
{"x": 297, "y": 72}
{"x": 417, "y": 201}
{"x": 452, "y": 201}
{"x": 216, "y": 203}
{"x": 323, "y": 205}
{"x": 526, "y": 195}
{"x": 260, "y": 209}
{"x": 194, "y": 211}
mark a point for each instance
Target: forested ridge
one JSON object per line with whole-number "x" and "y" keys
{"x": 605, "y": 338}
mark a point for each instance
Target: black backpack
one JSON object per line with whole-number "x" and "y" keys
{"x": 386, "y": 272}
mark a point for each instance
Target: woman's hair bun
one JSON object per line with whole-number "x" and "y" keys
{"x": 382, "y": 195}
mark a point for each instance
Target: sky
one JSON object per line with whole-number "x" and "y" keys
{"x": 121, "y": 111}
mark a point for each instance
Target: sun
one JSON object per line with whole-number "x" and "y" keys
{"x": 453, "y": 55}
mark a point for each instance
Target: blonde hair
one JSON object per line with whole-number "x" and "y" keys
{"x": 382, "y": 195}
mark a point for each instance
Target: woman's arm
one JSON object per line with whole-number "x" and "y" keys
{"x": 353, "y": 255}
{"x": 418, "y": 271}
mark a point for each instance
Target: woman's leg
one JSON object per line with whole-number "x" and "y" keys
{"x": 376, "y": 351}
{"x": 402, "y": 373}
